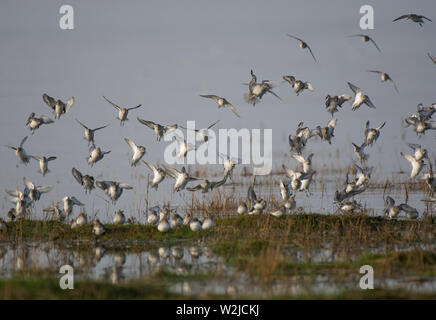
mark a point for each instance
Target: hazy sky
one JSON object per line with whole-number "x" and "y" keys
{"x": 163, "y": 54}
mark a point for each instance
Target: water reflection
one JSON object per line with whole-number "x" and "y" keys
{"x": 190, "y": 263}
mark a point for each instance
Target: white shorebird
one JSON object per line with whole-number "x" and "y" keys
{"x": 208, "y": 223}
{"x": 332, "y": 103}
{"x": 182, "y": 177}
{"x": 43, "y": 163}
{"x": 163, "y": 225}
{"x": 257, "y": 204}
{"x": 418, "y": 152}
{"x": 257, "y": 90}
{"x": 359, "y": 98}
{"x": 183, "y": 146}
{"x": 298, "y": 85}
{"x": 20, "y": 152}
{"x": 86, "y": 181}
{"x": 138, "y": 152}
{"x": 33, "y": 122}
{"x": 158, "y": 174}
{"x": 229, "y": 164}
{"x": 242, "y": 208}
{"x": 359, "y": 151}
{"x": 176, "y": 221}
{"x": 98, "y": 228}
{"x": 372, "y": 134}
{"x": 307, "y": 163}
{"x": 303, "y": 45}
{"x": 296, "y": 178}
{"x": 205, "y": 186}
{"x": 203, "y": 133}
{"x": 113, "y": 189}
{"x": 56, "y": 213}
{"x": 420, "y": 126}
{"x": 153, "y": 217}
{"x": 69, "y": 203}
{"x": 119, "y": 217}
{"x": 340, "y": 196}
{"x": 122, "y": 112}
{"x": 195, "y": 225}
{"x": 385, "y": 77}
{"x": 89, "y": 133}
{"x": 81, "y": 220}
{"x": 350, "y": 206}
{"x": 327, "y": 133}
{"x": 96, "y": 155}
{"x": 159, "y": 130}
{"x": 222, "y": 102}
{"x": 419, "y": 19}
{"x": 58, "y": 106}
{"x": 363, "y": 175}
{"x": 302, "y": 135}
{"x": 35, "y": 192}
{"x": 366, "y": 38}
{"x": 425, "y": 113}
{"x": 278, "y": 213}
{"x": 187, "y": 219}
{"x": 285, "y": 190}
{"x": 417, "y": 165}
{"x": 392, "y": 211}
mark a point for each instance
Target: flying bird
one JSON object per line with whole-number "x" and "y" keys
{"x": 303, "y": 45}
{"x": 138, "y": 152}
{"x": 359, "y": 151}
{"x": 89, "y": 133}
{"x": 182, "y": 177}
{"x": 43, "y": 163}
{"x": 122, "y": 112}
{"x": 206, "y": 185}
{"x": 417, "y": 165}
{"x": 222, "y": 102}
{"x": 298, "y": 85}
{"x": 332, "y": 103}
{"x": 203, "y": 132}
{"x": 359, "y": 98}
{"x": 384, "y": 77}
{"x": 58, "y": 106}
{"x": 113, "y": 189}
{"x": 159, "y": 129}
{"x": 183, "y": 146}
{"x": 20, "y": 152}
{"x": 257, "y": 90}
{"x": 158, "y": 174}
{"x": 34, "y": 122}
{"x": 96, "y": 155}
{"x": 372, "y": 134}
{"x": 366, "y": 38}
{"x": 418, "y": 152}
{"x": 86, "y": 181}
{"x": 392, "y": 211}
{"x": 413, "y": 17}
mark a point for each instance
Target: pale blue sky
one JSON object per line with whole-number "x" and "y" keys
{"x": 163, "y": 54}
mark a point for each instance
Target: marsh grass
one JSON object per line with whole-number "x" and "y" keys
{"x": 262, "y": 247}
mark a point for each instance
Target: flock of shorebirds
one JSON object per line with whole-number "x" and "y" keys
{"x": 166, "y": 218}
